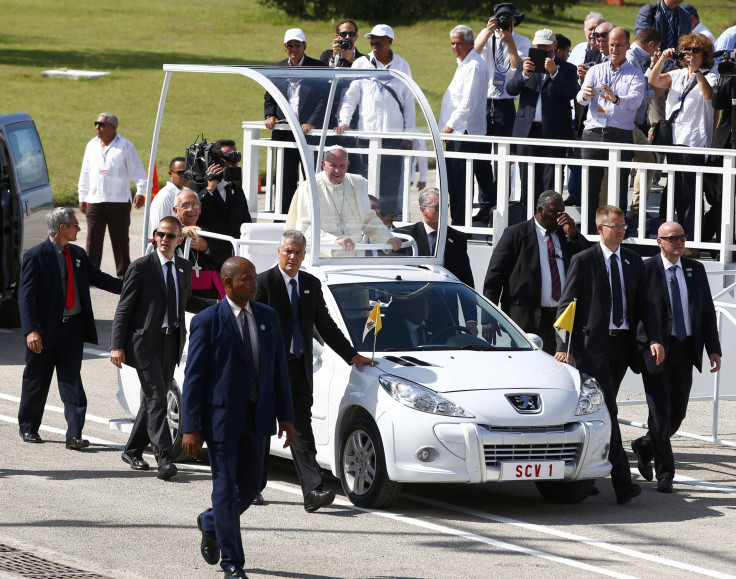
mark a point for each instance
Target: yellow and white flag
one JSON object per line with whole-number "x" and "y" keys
{"x": 373, "y": 321}
{"x": 566, "y": 320}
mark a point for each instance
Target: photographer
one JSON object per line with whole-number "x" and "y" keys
{"x": 503, "y": 50}
{"x": 343, "y": 52}
{"x": 690, "y": 92}
{"x": 224, "y": 207}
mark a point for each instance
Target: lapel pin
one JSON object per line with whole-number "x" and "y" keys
{"x": 181, "y": 271}
{"x": 306, "y": 291}
{"x": 78, "y": 263}
{"x": 689, "y": 273}
{"x": 263, "y": 326}
{"x": 627, "y": 262}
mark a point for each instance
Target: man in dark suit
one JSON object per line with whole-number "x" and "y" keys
{"x": 148, "y": 333}
{"x": 678, "y": 288}
{"x": 544, "y": 109}
{"x": 300, "y": 314}
{"x": 224, "y": 206}
{"x": 308, "y": 98}
{"x": 236, "y": 385}
{"x": 528, "y": 267}
{"x": 608, "y": 283}
{"x": 56, "y": 317}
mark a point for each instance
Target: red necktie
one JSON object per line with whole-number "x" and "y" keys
{"x": 554, "y": 272}
{"x": 69, "y": 280}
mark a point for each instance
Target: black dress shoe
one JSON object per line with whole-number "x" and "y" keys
{"x": 167, "y": 471}
{"x": 134, "y": 462}
{"x": 235, "y": 573}
{"x": 665, "y": 486}
{"x": 317, "y": 499}
{"x": 633, "y": 491}
{"x": 76, "y": 443}
{"x": 31, "y": 437}
{"x": 209, "y": 548}
{"x": 258, "y": 500}
{"x": 644, "y": 466}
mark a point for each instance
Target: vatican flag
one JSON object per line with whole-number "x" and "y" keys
{"x": 374, "y": 321}
{"x": 565, "y": 322}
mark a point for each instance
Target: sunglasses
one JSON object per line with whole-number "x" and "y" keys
{"x": 294, "y": 45}
{"x": 693, "y": 49}
{"x": 161, "y": 235}
{"x": 675, "y": 238}
{"x": 100, "y": 124}
{"x": 346, "y": 34}
{"x": 180, "y": 173}
{"x": 599, "y": 35}
{"x": 615, "y": 227}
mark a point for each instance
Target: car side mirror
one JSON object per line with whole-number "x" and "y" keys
{"x": 536, "y": 341}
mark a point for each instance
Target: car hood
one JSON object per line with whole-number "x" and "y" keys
{"x": 458, "y": 371}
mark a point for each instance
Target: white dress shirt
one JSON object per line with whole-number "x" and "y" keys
{"x": 252, "y": 326}
{"x": 607, "y": 253}
{"x": 701, "y": 29}
{"x": 464, "y": 103}
{"x": 378, "y": 109}
{"x": 499, "y": 63}
{"x": 162, "y": 205}
{"x": 683, "y": 292}
{"x": 547, "y": 301}
{"x": 165, "y": 271}
{"x": 727, "y": 40}
{"x": 106, "y": 173}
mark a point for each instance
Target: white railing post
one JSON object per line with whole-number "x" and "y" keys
{"x": 374, "y": 173}
{"x": 251, "y": 160}
{"x": 727, "y": 208}
{"x": 614, "y": 177}
{"x": 503, "y": 190}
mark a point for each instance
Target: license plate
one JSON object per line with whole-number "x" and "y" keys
{"x": 532, "y": 470}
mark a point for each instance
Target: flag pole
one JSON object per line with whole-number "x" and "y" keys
{"x": 569, "y": 338}
{"x": 373, "y": 355}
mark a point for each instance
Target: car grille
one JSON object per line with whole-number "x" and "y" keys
{"x": 494, "y": 453}
{"x": 558, "y": 428}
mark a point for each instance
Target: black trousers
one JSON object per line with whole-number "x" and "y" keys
{"x": 595, "y": 175}
{"x": 116, "y": 217}
{"x": 303, "y": 449}
{"x": 64, "y": 354}
{"x": 151, "y": 425}
{"x": 544, "y": 173}
{"x": 292, "y": 164}
{"x": 684, "y": 191}
{"x": 667, "y": 397}
{"x": 456, "y": 177}
{"x": 546, "y": 329}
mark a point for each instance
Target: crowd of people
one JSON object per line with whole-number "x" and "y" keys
{"x": 257, "y": 327}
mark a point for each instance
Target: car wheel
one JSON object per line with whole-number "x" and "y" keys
{"x": 565, "y": 492}
{"x": 363, "y": 466}
{"x": 173, "y": 416}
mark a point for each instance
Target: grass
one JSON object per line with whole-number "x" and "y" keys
{"x": 133, "y": 39}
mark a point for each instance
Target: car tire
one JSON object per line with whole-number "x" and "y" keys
{"x": 565, "y": 492}
{"x": 363, "y": 466}
{"x": 173, "y": 417}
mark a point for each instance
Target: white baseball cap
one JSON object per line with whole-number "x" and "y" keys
{"x": 381, "y": 30}
{"x": 544, "y": 36}
{"x": 294, "y": 34}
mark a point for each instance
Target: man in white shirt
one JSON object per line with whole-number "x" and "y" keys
{"x": 110, "y": 163}
{"x": 580, "y": 53}
{"x": 698, "y": 26}
{"x": 164, "y": 201}
{"x": 344, "y": 210}
{"x": 384, "y": 105}
{"x": 464, "y": 112}
{"x": 503, "y": 50}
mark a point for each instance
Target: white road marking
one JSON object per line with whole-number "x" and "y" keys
{"x": 89, "y": 417}
{"x": 95, "y": 352}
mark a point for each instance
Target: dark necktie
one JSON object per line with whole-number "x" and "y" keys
{"x": 69, "y": 280}
{"x": 172, "y": 305}
{"x": 618, "y": 299}
{"x": 553, "y": 270}
{"x": 251, "y": 379}
{"x": 296, "y": 335}
{"x": 678, "y": 316}
{"x": 432, "y": 238}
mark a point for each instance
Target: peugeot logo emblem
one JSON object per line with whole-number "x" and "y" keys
{"x": 526, "y": 403}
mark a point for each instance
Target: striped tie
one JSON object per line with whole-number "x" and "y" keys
{"x": 251, "y": 379}
{"x": 553, "y": 271}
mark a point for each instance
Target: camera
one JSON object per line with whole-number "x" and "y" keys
{"x": 728, "y": 64}
{"x": 678, "y": 55}
{"x": 504, "y": 22}
{"x": 346, "y": 44}
{"x": 200, "y": 155}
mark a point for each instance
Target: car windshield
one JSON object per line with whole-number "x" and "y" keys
{"x": 425, "y": 316}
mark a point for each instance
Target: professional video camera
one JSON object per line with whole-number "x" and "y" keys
{"x": 728, "y": 64}
{"x": 200, "y": 156}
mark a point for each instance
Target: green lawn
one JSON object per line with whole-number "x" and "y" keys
{"x": 133, "y": 39}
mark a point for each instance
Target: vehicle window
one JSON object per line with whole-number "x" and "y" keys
{"x": 425, "y": 316}
{"x": 28, "y": 155}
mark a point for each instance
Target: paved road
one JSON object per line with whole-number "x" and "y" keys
{"x": 89, "y": 511}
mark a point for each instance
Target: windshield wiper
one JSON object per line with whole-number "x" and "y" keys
{"x": 478, "y": 347}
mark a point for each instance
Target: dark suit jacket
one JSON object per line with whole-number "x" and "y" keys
{"x": 700, "y": 305}
{"x": 557, "y": 93}
{"x": 41, "y": 297}
{"x": 312, "y": 97}
{"x": 136, "y": 326}
{"x": 326, "y": 56}
{"x": 456, "y": 258}
{"x": 514, "y": 275}
{"x": 587, "y": 280}
{"x": 214, "y": 395}
{"x": 224, "y": 217}
{"x": 314, "y": 313}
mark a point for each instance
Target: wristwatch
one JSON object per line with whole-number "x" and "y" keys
{"x": 617, "y": 101}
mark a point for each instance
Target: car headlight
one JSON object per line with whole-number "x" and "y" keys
{"x": 420, "y": 398}
{"x": 591, "y": 397}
